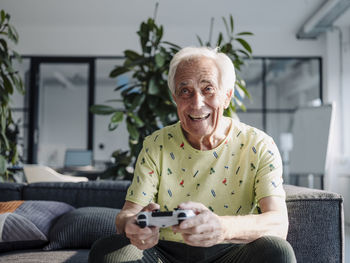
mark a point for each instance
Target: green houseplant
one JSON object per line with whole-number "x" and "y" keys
{"x": 9, "y": 81}
{"x": 147, "y": 102}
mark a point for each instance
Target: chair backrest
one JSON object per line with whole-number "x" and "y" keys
{"x": 40, "y": 173}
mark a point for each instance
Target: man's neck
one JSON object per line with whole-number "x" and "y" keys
{"x": 211, "y": 141}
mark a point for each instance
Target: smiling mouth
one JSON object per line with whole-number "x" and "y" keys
{"x": 199, "y": 117}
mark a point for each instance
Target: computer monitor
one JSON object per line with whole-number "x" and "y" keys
{"x": 77, "y": 158}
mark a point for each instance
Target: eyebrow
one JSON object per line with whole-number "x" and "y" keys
{"x": 183, "y": 83}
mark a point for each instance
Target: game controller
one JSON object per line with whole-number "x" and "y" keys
{"x": 163, "y": 219}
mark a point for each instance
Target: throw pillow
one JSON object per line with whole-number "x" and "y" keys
{"x": 82, "y": 227}
{"x": 26, "y": 224}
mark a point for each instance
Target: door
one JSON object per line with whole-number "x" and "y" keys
{"x": 61, "y": 94}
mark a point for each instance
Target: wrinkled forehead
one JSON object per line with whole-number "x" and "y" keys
{"x": 199, "y": 68}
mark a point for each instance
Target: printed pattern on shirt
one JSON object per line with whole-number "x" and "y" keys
{"x": 229, "y": 180}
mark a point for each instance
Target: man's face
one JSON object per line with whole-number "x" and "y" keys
{"x": 200, "y": 99}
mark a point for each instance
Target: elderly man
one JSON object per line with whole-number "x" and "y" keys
{"x": 228, "y": 173}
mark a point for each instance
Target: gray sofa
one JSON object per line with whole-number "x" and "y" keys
{"x": 316, "y": 229}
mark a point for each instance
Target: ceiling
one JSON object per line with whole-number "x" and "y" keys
{"x": 249, "y": 14}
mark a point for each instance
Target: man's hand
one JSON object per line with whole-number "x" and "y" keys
{"x": 203, "y": 230}
{"x": 142, "y": 238}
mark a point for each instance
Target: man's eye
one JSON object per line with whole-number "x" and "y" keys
{"x": 184, "y": 91}
{"x": 209, "y": 89}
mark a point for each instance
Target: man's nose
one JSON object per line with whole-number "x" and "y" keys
{"x": 197, "y": 100}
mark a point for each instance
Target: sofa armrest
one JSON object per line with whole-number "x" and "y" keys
{"x": 316, "y": 224}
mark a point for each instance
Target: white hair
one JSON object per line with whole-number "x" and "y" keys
{"x": 222, "y": 61}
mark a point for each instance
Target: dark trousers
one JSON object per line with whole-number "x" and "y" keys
{"x": 117, "y": 248}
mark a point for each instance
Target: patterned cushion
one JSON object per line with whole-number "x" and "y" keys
{"x": 26, "y": 224}
{"x": 82, "y": 227}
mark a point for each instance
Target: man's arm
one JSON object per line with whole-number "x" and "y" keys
{"x": 129, "y": 210}
{"x": 142, "y": 238}
{"x": 208, "y": 229}
{"x": 273, "y": 222}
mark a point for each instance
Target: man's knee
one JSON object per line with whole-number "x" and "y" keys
{"x": 274, "y": 249}
{"x": 105, "y": 246}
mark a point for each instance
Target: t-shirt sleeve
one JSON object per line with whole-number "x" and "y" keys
{"x": 269, "y": 181}
{"x": 143, "y": 189}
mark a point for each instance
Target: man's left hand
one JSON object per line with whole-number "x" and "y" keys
{"x": 204, "y": 230}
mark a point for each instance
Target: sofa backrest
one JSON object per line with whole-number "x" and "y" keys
{"x": 92, "y": 193}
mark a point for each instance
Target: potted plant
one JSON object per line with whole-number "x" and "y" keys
{"x": 148, "y": 104}
{"x": 9, "y": 81}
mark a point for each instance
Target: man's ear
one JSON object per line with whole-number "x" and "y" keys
{"x": 228, "y": 98}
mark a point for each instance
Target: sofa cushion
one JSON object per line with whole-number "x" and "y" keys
{"x": 26, "y": 224}
{"x": 82, "y": 227}
{"x": 39, "y": 256}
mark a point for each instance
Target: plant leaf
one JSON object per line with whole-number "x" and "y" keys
{"x": 2, "y": 16}
{"x": 2, "y": 165}
{"x": 245, "y": 53}
{"x": 172, "y": 44}
{"x": 200, "y": 41}
{"x": 139, "y": 123}
{"x": 112, "y": 126}
{"x": 7, "y": 84}
{"x": 121, "y": 86}
{"x": 245, "y": 44}
{"x": 117, "y": 117}
{"x": 245, "y": 33}
{"x": 102, "y": 109}
{"x": 220, "y": 38}
{"x": 118, "y": 70}
{"x": 226, "y": 26}
{"x": 153, "y": 87}
{"x": 132, "y": 55}
{"x": 231, "y": 23}
{"x": 160, "y": 60}
{"x": 137, "y": 101}
{"x": 134, "y": 134}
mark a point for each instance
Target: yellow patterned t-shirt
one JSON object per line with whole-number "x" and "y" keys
{"x": 229, "y": 180}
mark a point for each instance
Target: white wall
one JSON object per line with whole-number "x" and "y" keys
{"x": 107, "y": 27}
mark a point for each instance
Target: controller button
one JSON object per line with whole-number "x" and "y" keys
{"x": 182, "y": 214}
{"x": 141, "y": 216}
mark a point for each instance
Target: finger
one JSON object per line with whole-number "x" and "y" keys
{"x": 196, "y": 207}
{"x": 145, "y": 242}
{"x": 200, "y": 219}
{"x": 151, "y": 207}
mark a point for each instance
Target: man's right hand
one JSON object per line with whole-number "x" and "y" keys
{"x": 142, "y": 238}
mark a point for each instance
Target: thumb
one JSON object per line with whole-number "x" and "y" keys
{"x": 196, "y": 207}
{"x": 151, "y": 207}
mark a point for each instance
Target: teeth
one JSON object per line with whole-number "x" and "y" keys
{"x": 198, "y": 117}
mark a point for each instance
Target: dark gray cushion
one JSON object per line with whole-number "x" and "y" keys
{"x": 92, "y": 193}
{"x": 82, "y": 227}
{"x": 39, "y": 256}
{"x": 316, "y": 230}
{"x": 26, "y": 224}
